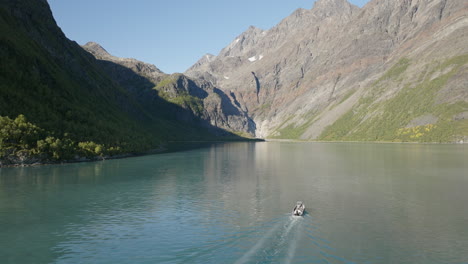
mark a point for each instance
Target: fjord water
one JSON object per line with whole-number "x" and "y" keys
{"x": 231, "y": 203}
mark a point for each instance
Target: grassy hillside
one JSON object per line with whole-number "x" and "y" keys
{"x": 412, "y": 115}
{"x": 415, "y": 112}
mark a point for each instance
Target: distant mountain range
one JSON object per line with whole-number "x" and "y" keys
{"x": 394, "y": 70}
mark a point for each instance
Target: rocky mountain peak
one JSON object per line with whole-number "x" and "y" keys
{"x": 299, "y": 12}
{"x": 252, "y": 29}
{"x": 329, "y": 8}
{"x": 149, "y": 70}
{"x": 243, "y": 42}
{"x": 205, "y": 60}
{"x": 251, "y": 32}
{"x": 96, "y": 49}
{"x": 330, "y": 3}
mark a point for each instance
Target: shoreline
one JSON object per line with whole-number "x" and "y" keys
{"x": 162, "y": 149}
{"x": 373, "y": 142}
{"x": 166, "y": 149}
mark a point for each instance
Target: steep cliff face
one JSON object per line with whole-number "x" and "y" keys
{"x": 337, "y": 67}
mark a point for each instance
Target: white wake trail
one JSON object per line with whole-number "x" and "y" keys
{"x": 257, "y": 246}
{"x": 294, "y": 221}
{"x": 292, "y": 247}
{"x": 294, "y": 238}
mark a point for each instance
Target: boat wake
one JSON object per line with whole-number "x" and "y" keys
{"x": 291, "y": 251}
{"x": 278, "y": 240}
{"x": 245, "y": 258}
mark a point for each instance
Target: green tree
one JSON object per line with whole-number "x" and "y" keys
{"x": 18, "y": 135}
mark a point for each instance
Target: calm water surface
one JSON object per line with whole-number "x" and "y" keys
{"x": 231, "y": 203}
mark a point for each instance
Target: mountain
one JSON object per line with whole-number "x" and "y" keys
{"x": 203, "y": 102}
{"x": 394, "y": 70}
{"x": 58, "y": 102}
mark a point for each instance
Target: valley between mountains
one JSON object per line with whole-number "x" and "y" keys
{"x": 390, "y": 71}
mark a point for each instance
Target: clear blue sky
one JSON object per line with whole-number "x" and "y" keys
{"x": 172, "y": 34}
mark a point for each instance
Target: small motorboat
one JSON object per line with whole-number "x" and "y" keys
{"x": 299, "y": 209}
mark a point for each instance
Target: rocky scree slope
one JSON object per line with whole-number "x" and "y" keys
{"x": 394, "y": 70}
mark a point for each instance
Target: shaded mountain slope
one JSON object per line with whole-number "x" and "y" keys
{"x": 201, "y": 100}
{"x": 68, "y": 106}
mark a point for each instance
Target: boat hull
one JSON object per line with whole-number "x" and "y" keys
{"x": 298, "y": 209}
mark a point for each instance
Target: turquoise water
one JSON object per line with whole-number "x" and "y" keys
{"x": 231, "y": 203}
